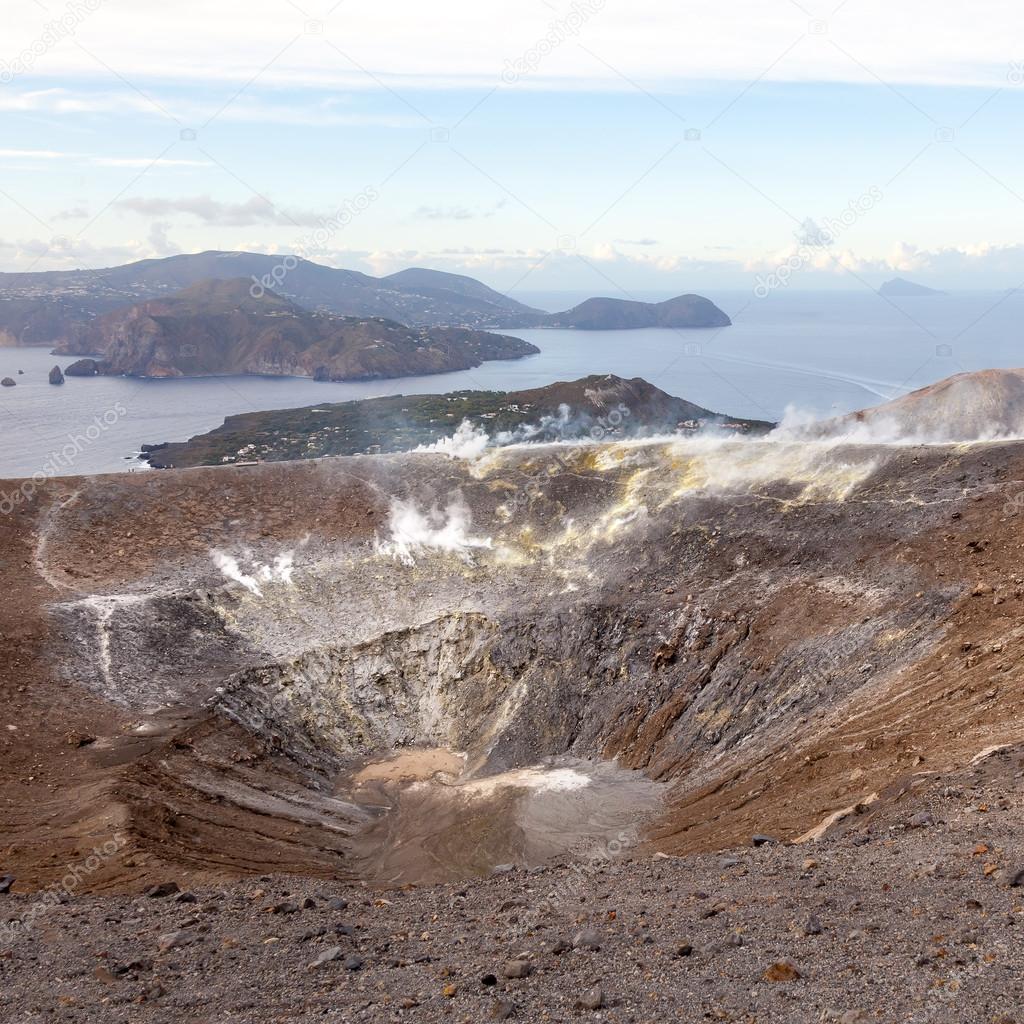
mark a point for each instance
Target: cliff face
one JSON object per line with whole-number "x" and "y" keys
{"x": 47, "y": 320}
{"x": 218, "y": 328}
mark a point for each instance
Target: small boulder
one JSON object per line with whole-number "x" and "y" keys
{"x": 762, "y": 840}
{"x": 782, "y": 971}
{"x": 162, "y": 889}
{"x": 517, "y": 969}
{"x": 173, "y": 940}
{"x": 329, "y": 955}
{"x": 592, "y": 999}
{"x": 587, "y": 939}
{"x": 282, "y": 907}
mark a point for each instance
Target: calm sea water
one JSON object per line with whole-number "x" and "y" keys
{"x": 819, "y": 352}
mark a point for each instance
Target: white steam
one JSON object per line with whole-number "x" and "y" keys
{"x": 550, "y": 428}
{"x": 280, "y": 570}
{"x": 414, "y": 533}
{"x": 468, "y": 442}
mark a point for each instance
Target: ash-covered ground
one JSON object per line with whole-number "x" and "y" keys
{"x": 911, "y": 914}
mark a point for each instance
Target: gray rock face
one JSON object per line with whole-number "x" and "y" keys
{"x": 83, "y": 368}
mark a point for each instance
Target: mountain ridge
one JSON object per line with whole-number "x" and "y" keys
{"x": 56, "y": 307}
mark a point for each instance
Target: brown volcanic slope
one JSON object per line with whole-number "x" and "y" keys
{"x": 218, "y": 327}
{"x": 981, "y": 405}
{"x": 779, "y": 631}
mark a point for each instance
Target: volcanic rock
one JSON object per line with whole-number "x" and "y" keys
{"x": 592, "y": 999}
{"x": 83, "y": 368}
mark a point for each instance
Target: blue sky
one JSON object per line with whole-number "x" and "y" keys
{"x": 599, "y": 146}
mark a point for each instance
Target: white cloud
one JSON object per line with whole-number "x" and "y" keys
{"x": 98, "y": 161}
{"x": 222, "y": 214}
{"x": 458, "y": 212}
{"x": 600, "y": 269}
{"x": 141, "y": 161}
{"x": 459, "y": 41}
{"x": 31, "y": 154}
{"x": 162, "y": 245}
{"x": 162, "y": 103}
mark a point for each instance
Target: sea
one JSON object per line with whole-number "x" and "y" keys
{"x": 790, "y": 353}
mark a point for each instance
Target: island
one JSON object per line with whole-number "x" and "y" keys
{"x": 684, "y": 312}
{"x": 218, "y": 328}
{"x": 900, "y": 287}
{"x": 598, "y": 407}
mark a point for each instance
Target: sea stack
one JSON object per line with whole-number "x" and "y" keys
{"x": 83, "y": 368}
{"x": 8, "y": 382}
{"x": 56, "y": 377}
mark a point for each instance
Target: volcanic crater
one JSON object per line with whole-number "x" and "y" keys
{"x": 369, "y": 667}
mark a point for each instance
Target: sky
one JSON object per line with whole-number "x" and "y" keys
{"x": 595, "y": 145}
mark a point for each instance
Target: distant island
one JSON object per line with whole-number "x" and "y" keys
{"x": 605, "y": 407}
{"x": 900, "y": 287}
{"x": 602, "y": 314}
{"x": 219, "y": 328}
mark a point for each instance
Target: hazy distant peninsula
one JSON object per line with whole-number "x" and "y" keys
{"x": 60, "y": 308}
{"x": 900, "y": 287}
{"x": 219, "y": 328}
{"x": 56, "y": 307}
